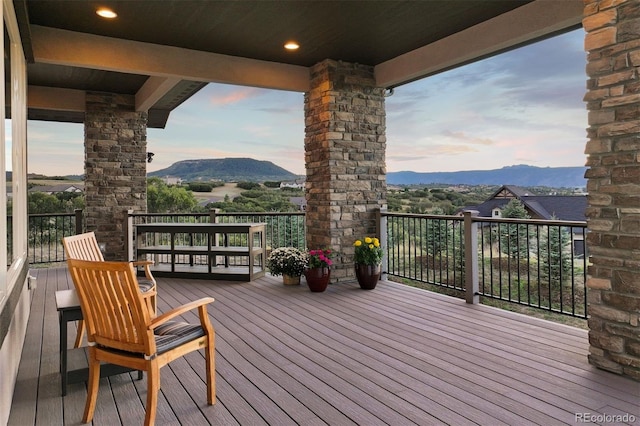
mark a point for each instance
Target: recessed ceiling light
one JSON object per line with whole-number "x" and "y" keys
{"x": 291, "y": 45}
{"x": 106, "y": 13}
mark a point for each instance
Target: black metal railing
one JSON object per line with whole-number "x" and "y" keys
{"x": 536, "y": 263}
{"x": 45, "y": 233}
{"x": 425, "y": 248}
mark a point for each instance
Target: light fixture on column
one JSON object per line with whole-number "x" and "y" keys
{"x": 150, "y": 157}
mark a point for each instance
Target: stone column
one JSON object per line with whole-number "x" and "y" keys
{"x": 115, "y": 169}
{"x": 613, "y": 100}
{"x": 345, "y": 159}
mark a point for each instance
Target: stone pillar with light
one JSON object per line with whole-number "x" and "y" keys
{"x": 115, "y": 168}
{"x": 345, "y": 146}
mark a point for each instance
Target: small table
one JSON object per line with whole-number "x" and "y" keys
{"x": 68, "y": 306}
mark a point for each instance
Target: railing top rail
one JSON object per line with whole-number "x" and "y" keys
{"x": 261, "y": 214}
{"x": 49, "y": 215}
{"x": 530, "y": 221}
{"x": 220, "y": 214}
{"x": 422, "y": 216}
{"x": 167, "y": 214}
{"x": 489, "y": 219}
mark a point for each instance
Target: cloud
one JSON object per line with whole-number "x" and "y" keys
{"x": 524, "y": 106}
{"x": 462, "y": 136}
{"x": 407, "y": 157}
{"x": 225, "y": 97}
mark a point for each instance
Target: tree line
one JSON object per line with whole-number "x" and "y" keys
{"x": 269, "y": 197}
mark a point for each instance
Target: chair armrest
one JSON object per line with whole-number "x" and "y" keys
{"x": 144, "y": 263}
{"x": 147, "y": 269}
{"x": 181, "y": 310}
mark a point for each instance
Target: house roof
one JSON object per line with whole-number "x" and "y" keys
{"x": 56, "y": 188}
{"x": 298, "y": 201}
{"x": 561, "y": 207}
{"x": 513, "y": 190}
{"x": 164, "y": 51}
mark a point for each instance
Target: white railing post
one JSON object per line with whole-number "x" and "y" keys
{"x": 381, "y": 225}
{"x": 130, "y": 241}
{"x": 471, "y": 257}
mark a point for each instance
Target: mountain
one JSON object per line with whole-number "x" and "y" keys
{"x": 520, "y": 175}
{"x": 247, "y": 169}
{"x": 226, "y": 169}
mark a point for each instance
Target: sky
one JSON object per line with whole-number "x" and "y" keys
{"x": 521, "y": 107}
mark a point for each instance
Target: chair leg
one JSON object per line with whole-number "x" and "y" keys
{"x": 153, "y": 387}
{"x": 92, "y": 387}
{"x": 210, "y": 353}
{"x": 80, "y": 334}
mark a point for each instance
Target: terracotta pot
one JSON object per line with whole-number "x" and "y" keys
{"x": 290, "y": 280}
{"x": 367, "y": 275}
{"x": 317, "y": 278}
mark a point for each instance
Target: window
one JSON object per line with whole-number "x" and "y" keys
{"x": 8, "y": 149}
{"x": 13, "y": 165}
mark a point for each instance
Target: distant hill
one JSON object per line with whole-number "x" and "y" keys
{"x": 520, "y": 175}
{"x": 247, "y": 169}
{"x": 226, "y": 169}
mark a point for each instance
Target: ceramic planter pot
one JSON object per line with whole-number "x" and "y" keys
{"x": 317, "y": 279}
{"x": 367, "y": 275}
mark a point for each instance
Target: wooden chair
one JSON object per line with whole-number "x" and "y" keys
{"x": 85, "y": 247}
{"x": 121, "y": 331}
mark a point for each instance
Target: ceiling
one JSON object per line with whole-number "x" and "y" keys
{"x": 164, "y": 51}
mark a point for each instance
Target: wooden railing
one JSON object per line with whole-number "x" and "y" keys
{"x": 282, "y": 229}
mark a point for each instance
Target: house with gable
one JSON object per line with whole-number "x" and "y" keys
{"x": 297, "y": 184}
{"x": 544, "y": 207}
{"x": 56, "y": 189}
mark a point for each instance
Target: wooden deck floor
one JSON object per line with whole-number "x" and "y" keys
{"x": 395, "y": 355}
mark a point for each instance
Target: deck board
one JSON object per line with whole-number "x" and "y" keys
{"x": 285, "y": 356}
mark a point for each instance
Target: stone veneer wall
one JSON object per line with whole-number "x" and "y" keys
{"x": 115, "y": 167}
{"x": 613, "y": 100}
{"x": 345, "y": 159}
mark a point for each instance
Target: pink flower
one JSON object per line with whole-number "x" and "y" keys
{"x": 320, "y": 258}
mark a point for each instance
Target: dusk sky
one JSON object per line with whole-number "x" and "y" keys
{"x": 521, "y": 107}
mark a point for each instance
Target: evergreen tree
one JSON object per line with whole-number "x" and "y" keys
{"x": 554, "y": 254}
{"x": 513, "y": 238}
{"x": 438, "y": 235}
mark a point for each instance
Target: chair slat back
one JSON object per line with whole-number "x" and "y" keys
{"x": 82, "y": 246}
{"x": 112, "y": 305}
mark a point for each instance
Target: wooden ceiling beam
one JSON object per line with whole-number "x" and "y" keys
{"x": 62, "y": 47}
{"x": 57, "y": 99}
{"x": 153, "y": 90}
